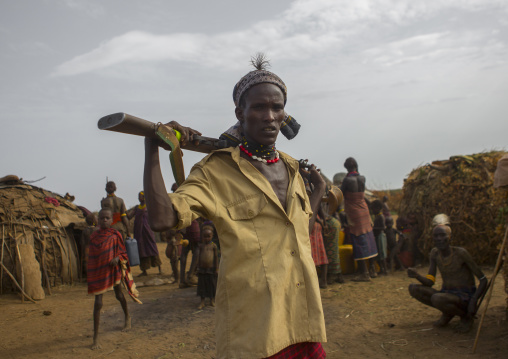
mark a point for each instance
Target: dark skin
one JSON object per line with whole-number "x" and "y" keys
{"x": 457, "y": 271}
{"x": 172, "y": 252}
{"x": 116, "y": 204}
{"x": 84, "y": 242}
{"x": 395, "y": 250}
{"x": 378, "y": 228}
{"x": 261, "y": 117}
{"x": 105, "y": 220}
{"x": 357, "y": 184}
{"x": 208, "y": 258}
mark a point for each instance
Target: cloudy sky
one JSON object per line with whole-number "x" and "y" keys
{"x": 395, "y": 84}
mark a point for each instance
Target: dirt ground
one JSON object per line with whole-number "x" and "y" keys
{"x": 363, "y": 320}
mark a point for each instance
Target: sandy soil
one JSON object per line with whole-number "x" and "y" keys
{"x": 364, "y": 320}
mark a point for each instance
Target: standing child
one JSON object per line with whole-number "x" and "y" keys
{"x": 208, "y": 262}
{"x": 172, "y": 252}
{"x": 108, "y": 265}
{"x": 391, "y": 242}
{"x": 379, "y": 235}
{"x": 84, "y": 242}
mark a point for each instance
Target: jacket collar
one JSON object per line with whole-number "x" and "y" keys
{"x": 260, "y": 181}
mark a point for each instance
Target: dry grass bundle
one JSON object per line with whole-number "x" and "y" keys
{"x": 460, "y": 187}
{"x": 394, "y": 198}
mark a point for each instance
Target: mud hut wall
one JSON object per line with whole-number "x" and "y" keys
{"x": 27, "y": 219}
{"x": 460, "y": 187}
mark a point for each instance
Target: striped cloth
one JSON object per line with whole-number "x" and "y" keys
{"x": 357, "y": 212}
{"x": 317, "y": 245}
{"x": 331, "y": 240}
{"x": 106, "y": 244}
{"x": 306, "y": 350}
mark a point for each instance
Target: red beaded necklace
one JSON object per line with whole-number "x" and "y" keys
{"x": 260, "y": 159}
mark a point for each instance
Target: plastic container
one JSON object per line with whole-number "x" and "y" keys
{"x": 131, "y": 245}
{"x": 347, "y": 263}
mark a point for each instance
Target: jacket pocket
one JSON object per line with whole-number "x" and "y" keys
{"x": 303, "y": 201}
{"x": 247, "y": 208}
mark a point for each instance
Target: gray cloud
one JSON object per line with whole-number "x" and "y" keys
{"x": 308, "y": 27}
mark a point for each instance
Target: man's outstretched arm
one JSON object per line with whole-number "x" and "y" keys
{"x": 482, "y": 285}
{"x": 161, "y": 214}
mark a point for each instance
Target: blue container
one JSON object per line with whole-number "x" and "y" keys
{"x": 132, "y": 251}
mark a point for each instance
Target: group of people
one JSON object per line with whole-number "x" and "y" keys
{"x": 106, "y": 263}
{"x": 268, "y": 302}
{"x": 145, "y": 237}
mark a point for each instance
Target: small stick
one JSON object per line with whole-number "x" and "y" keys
{"x": 43, "y": 261}
{"x": 21, "y": 268}
{"x": 69, "y": 253}
{"x": 489, "y": 295}
{"x": 17, "y": 284}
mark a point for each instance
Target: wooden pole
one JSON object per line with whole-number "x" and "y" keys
{"x": 43, "y": 260}
{"x": 17, "y": 284}
{"x": 491, "y": 288}
{"x": 18, "y": 254}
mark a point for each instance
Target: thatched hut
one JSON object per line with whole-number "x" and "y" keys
{"x": 460, "y": 187}
{"x": 39, "y": 232}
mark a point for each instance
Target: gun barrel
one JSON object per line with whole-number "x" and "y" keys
{"x": 124, "y": 123}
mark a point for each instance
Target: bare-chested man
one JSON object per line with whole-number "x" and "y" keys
{"x": 458, "y": 295}
{"x": 208, "y": 265}
{"x": 117, "y": 205}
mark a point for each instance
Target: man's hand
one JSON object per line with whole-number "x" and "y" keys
{"x": 114, "y": 262}
{"x": 315, "y": 177}
{"x": 186, "y": 132}
{"x": 412, "y": 273}
{"x": 471, "y": 308}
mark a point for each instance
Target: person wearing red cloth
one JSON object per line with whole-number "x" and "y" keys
{"x": 108, "y": 266}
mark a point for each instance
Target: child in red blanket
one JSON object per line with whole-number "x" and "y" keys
{"x": 108, "y": 265}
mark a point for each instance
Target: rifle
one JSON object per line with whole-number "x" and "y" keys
{"x": 124, "y": 123}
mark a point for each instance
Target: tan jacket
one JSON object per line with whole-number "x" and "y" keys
{"x": 268, "y": 294}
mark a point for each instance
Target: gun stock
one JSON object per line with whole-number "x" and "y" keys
{"x": 124, "y": 123}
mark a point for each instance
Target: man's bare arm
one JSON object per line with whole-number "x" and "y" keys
{"x": 317, "y": 193}
{"x": 131, "y": 213}
{"x": 426, "y": 281}
{"x": 482, "y": 286}
{"x": 161, "y": 214}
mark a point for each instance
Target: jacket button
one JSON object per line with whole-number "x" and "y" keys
{"x": 293, "y": 253}
{"x": 250, "y": 212}
{"x": 287, "y": 224}
{"x": 298, "y": 285}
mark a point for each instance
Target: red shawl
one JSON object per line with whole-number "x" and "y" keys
{"x": 106, "y": 244}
